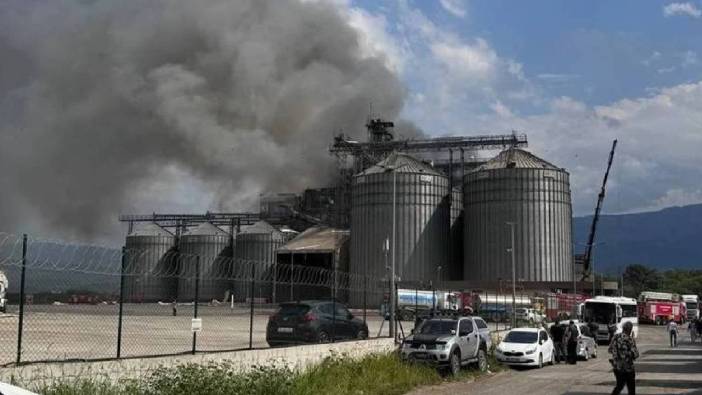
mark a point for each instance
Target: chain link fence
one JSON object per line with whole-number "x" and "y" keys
{"x": 74, "y": 302}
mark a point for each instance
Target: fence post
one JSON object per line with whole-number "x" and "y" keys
{"x": 251, "y": 303}
{"x": 365, "y": 286}
{"x": 121, "y": 303}
{"x": 333, "y": 331}
{"x": 21, "y": 306}
{"x": 197, "y": 297}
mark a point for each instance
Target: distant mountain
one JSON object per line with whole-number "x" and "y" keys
{"x": 666, "y": 239}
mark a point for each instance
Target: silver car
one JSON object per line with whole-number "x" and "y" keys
{"x": 449, "y": 342}
{"x": 587, "y": 346}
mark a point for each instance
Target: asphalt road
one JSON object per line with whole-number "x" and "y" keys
{"x": 659, "y": 370}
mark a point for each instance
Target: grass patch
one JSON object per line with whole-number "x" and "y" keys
{"x": 373, "y": 374}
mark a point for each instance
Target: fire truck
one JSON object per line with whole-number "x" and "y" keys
{"x": 658, "y": 307}
{"x": 560, "y": 306}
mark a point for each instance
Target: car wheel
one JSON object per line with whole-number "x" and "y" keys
{"x": 541, "y": 361}
{"x": 594, "y": 352}
{"x": 482, "y": 361}
{"x": 362, "y": 334}
{"x": 455, "y": 363}
{"x": 322, "y": 337}
{"x": 587, "y": 354}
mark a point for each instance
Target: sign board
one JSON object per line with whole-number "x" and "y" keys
{"x": 610, "y": 285}
{"x": 196, "y": 325}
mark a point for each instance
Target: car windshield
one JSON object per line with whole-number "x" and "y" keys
{"x": 521, "y": 337}
{"x": 289, "y": 310}
{"x": 602, "y": 313}
{"x": 628, "y": 311}
{"x": 521, "y": 311}
{"x": 437, "y": 327}
{"x": 691, "y": 305}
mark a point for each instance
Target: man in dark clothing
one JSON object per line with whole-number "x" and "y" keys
{"x": 624, "y": 352}
{"x": 571, "y": 339}
{"x": 557, "y": 337}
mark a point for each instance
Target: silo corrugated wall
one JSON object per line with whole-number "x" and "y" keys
{"x": 213, "y": 248}
{"x": 150, "y": 266}
{"x": 533, "y": 194}
{"x": 455, "y": 272}
{"x": 422, "y": 224}
{"x": 258, "y": 245}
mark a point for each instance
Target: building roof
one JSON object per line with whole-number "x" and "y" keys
{"x": 318, "y": 239}
{"x": 401, "y": 163}
{"x": 150, "y": 229}
{"x": 516, "y": 158}
{"x": 206, "y": 229}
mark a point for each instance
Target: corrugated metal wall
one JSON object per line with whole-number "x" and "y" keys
{"x": 422, "y": 224}
{"x": 260, "y": 248}
{"x": 150, "y": 268}
{"x": 214, "y": 251}
{"x": 538, "y": 200}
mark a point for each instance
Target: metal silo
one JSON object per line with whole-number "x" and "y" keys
{"x": 150, "y": 265}
{"x": 212, "y": 246}
{"x": 258, "y": 244}
{"x": 455, "y": 270}
{"x": 518, "y": 187}
{"x": 422, "y": 222}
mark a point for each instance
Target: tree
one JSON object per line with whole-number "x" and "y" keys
{"x": 639, "y": 278}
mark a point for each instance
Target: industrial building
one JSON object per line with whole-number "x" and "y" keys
{"x": 435, "y": 207}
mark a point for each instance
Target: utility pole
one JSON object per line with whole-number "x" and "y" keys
{"x": 393, "y": 289}
{"x": 514, "y": 276}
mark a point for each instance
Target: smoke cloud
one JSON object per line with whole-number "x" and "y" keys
{"x": 100, "y": 99}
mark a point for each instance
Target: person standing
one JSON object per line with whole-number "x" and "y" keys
{"x": 624, "y": 352}
{"x": 692, "y": 330}
{"x": 557, "y": 337}
{"x": 672, "y": 329}
{"x": 571, "y": 338}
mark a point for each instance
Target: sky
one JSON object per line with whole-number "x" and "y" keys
{"x": 573, "y": 76}
{"x": 175, "y": 106}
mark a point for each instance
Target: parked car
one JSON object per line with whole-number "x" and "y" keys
{"x": 587, "y": 346}
{"x": 7, "y": 389}
{"x": 313, "y": 321}
{"x": 526, "y": 347}
{"x": 449, "y": 342}
{"x": 529, "y": 315}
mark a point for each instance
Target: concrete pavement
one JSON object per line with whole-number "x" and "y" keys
{"x": 659, "y": 370}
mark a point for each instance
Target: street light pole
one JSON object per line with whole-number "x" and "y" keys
{"x": 392, "y": 278}
{"x": 514, "y": 276}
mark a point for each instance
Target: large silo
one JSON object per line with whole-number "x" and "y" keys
{"x": 258, "y": 244}
{"x": 150, "y": 265}
{"x": 422, "y": 221}
{"x": 523, "y": 189}
{"x": 212, "y": 247}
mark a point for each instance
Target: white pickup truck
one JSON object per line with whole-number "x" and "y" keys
{"x": 3, "y": 293}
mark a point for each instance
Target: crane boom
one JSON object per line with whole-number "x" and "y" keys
{"x": 596, "y": 217}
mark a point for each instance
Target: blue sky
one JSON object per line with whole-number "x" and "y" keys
{"x": 572, "y": 75}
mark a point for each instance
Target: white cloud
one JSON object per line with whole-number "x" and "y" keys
{"x": 675, "y": 9}
{"x": 689, "y": 58}
{"x": 375, "y": 41}
{"x": 556, "y": 77}
{"x": 466, "y": 61}
{"x": 455, "y": 7}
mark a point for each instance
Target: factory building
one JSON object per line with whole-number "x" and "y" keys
{"x": 534, "y": 195}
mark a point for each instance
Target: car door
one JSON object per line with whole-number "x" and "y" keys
{"x": 468, "y": 338}
{"x": 343, "y": 325}
{"x": 546, "y": 345}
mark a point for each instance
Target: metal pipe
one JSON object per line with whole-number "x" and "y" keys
{"x": 392, "y": 274}
{"x": 251, "y": 312}
{"x": 197, "y": 297}
{"x": 514, "y": 276}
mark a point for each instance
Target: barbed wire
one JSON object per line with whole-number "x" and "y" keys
{"x": 59, "y": 256}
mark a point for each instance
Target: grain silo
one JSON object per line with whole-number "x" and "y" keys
{"x": 455, "y": 267}
{"x": 150, "y": 265}
{"x": 521, "y": 188}
{"x": 421, "y": 221}
{"x": 212, "y": 247}
{"x": 257, "y": 244}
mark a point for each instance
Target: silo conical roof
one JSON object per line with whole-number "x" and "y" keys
{"x": 150, "y": 229}
{"x": 260, "y": 227}
{"x": 515, "y": 158}
{"x": 206, "y": 229}
{"x": 401, "y": 163}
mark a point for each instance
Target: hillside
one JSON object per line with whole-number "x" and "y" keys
{"x": 665, "y": 239}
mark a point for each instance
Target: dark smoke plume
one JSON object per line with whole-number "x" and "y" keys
{"x": 99, "y": 97}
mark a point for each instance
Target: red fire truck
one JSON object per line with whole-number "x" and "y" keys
{"x": 658, "y": 307}
{"x": 561, "y": 305}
